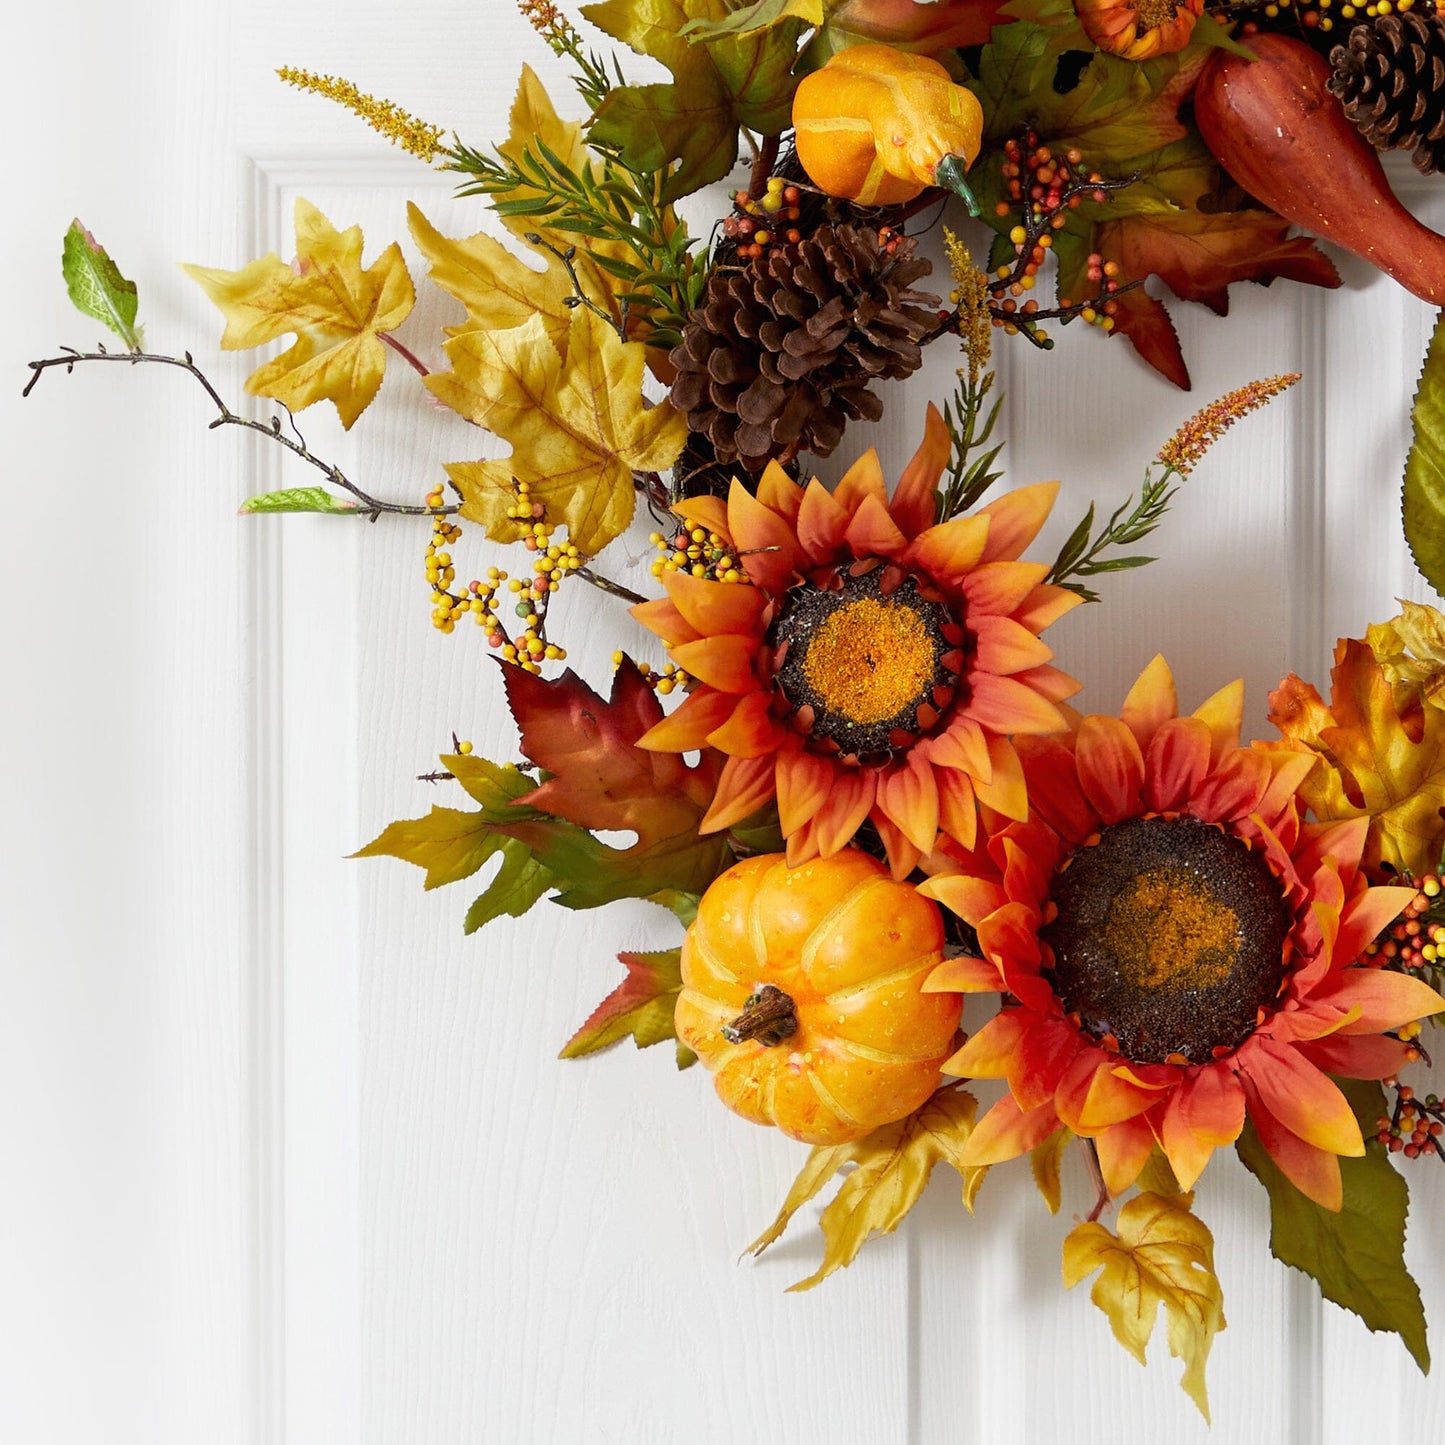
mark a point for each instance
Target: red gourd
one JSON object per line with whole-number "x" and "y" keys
{"x": 1277, "y": 130}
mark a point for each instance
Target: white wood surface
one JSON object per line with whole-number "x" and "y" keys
{"x": 288, "y": 1158}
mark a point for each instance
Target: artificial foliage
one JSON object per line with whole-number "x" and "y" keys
{"x": 856, "y": 783}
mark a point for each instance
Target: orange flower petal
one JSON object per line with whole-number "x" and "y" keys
{"x": 821, "y": 522}
{"x": 1287, "y": 771}
{"x": 1054, "y": 791}
{"x": 849, "y": 803}
{"x": 1006, "y": 1131}
{"x": 779, "y": 492}
{"x": 662, "y": 619}
{"x": 908, "y": 796}
{"x": 1044, "y": 1053}
{"x": 903, "y": 854}
{"x": 1385, "y": 999}
{"x": 1151, "y": 701}
{"x": 1366, "y": 915}
{"x": 957, "y": 806}
{"x": 1203, "y": 1112}
{"x": 1045, "y": 605}
{"x": 1049, "y": 682}
{"x": 743, "y": 786}
{"x": 1124, "y": 1150}
{"x": 1004, "y": 705}
{"x": 1301, "y": 1098}
{"x": 1176, "y": 763}
{"x": 1223, "y": 714}
{"x": 1314, "y": 1172}
{"x": 972, "y": 899}
{"x": 766, "y": 544}
{"x": 701, "y": 713}
{"x": 862, "y": 480}
{"x": 1092, "y": 1094}
{"x": 751, "y": 731}
{"x": 913, "y": 506}
{"x": 964, "y": 745}
{"x": 1234, "y": 789}
{"x": 1005, "y": 792}
{"x": 992, "y": 1052}
{"x": 1370, "y": 1056}
{"x": 963, "y": 975}
{"x": 1004, "y": 647}
{"x": 950, "y": 550}
{"x": 1010, "y": 936}
{"x": 1110, "y": 766}
{"x": 709, "y": 513}
{"x": 999, "y": 588}
{"x": 724, "y": 662}
{"x": 1015, "y": 520}
{"x": 804, "y": 781}
{"x": 872, "y": 531}
{"x": 709, "y": 608}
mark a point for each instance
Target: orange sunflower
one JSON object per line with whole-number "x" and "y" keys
{"x": 871, "y": 664}
{"x": 1179, "y": 949}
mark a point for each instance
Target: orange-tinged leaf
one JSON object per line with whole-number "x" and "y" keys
{"x": 640, "y": 1008}
{"x": 336, "y": 309}
{"x": 893, "y": 1166}
{"x": 578, "y": 424}
{"x": 1371, "y": 762}
{"x": 1047, "y": 1161}
{"x": 1162, "y": 1254}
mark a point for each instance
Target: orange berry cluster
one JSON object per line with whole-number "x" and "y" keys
{"x": 758, "y": 224}
{"x": 482, "y": 598}
{"x": 698, "y": 551}
{"x": 1414, "y": 1126}
{"x": 1415, "y": 942}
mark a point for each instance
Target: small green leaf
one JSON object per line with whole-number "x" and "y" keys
{"x": 299, "y": 499}
{"x": 1423, "y": 500}
{"x": 96, "y": 286}
{"x": 1357, "y": 1256}
{"x": 448, "y": 843}
{"x": 757, "y": 16}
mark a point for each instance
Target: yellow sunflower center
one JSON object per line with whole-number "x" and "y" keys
{"x": 870, "y": 659}
{"x": 1153, "y": 13}
{"x": 866, "y": 659}
{"x": 1169, "y": 939}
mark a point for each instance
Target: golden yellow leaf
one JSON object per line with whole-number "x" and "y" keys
{"x": 1374, "y": 761}
{"x": 336, "y": 309}
{"x": 1161, "y": 1255}
{"x": 1047, "y": 1161}
{"x": 578, "y": 425}
{"x": 1411, "y": 649}
{"x": 499, "y": 289}
{"x": 894, "y": 1163}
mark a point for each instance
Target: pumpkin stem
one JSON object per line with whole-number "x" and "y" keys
{"x": 769, "y": 1016}
{"x": 949, "y": 173}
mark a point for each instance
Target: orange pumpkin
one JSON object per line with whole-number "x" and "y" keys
{"x": 879, "y": 126}
{"x": 802, "y": 993}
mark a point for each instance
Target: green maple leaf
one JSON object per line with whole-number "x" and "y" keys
{"x": 1357, "y": 1257}
{"x": 1423, "y": 498}
{"x": 718, "y": 85}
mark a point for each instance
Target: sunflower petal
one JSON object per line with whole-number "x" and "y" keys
{"x": 1050, "y": 682}
{"x": 821, "y": 522}
{"x": 751, "y": 731}
{"x": 1385, "y": 999}
{"x": 972, "y": 899}
{"x": 1366, "y": 915}
{"x": 1044, "y": 1052}
{"x": 963, "y": 745}
{"x": 1006, "y": 1131}
{"x": 904, "y": 855}
{"x": 1054, "y": 791}
{"x": 950, "y": 550}
{"x": 909, "y": 797}
{"x": 1176, "y": 763}
{"x": 872, "y": 531}
{"x": 712, "y": 607}
{"x": 992, "y": 1053}
{"x": 963, "y": 975}
{"x": 1045, "y": 605}
{"x": 957, "y": 806}
{"x": 804, "y": 781}
{"x": 701, "y": 713}
{"x": 999, "y": 588}
{"x": 1151, "y": 701}
{"x": 1367, "y": 1056}
{"x": 1223, "y": 715}
{"x": 913, "y": 505}
{"x": 767, "y": 546}
{"x": 661, "y": 618}
{"x": 1111, "y": 767}
{"x": 1005, "y": 792}
{"x": 779, "y": 492}
{"x": 1015, "y": 519}
{"x": 743, "y": 786}
{"x": 1004, "y": 705}
{"x": 1314, "y": 1172}
{"x": 1093, "y": 1094}
{"x": 1203, "y": 1113}
{"x": 1124, "y": 1149}
{"x": 849, "y": 803}
{"x": 1006, "y": 648}
{"x": 863, "y": 479}
{"x": 1234, "y": 788}
{"x": 710, "y": 513}
{"x": 1301, "y": 1098}
{"x": 724, "y": 661}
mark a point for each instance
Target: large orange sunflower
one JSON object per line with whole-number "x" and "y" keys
{"x": 871, "y": 664}
{"x": 1179, "y": 951}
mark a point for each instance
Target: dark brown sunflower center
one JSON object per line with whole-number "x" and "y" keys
{"x": 1169, "y": 936}
{"x": 1153, "y": 13}
{"x": 866, "y": 658}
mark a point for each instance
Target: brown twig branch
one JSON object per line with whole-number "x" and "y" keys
{"x": 406, "y": 353}
{"x": 1096, "y": 1173}
{"x": 371, "y": 507}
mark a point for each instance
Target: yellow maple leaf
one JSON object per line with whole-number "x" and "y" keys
{"x": 1373, "y": 761}
{"x": 336, "y": 309}
{"x": 499, "y": 289}
{"x": 577, "y": 423}
{"x": 1162, "y": 1254}
{"x": 1411, "y": 649}
{"x": 894, "y": 1163}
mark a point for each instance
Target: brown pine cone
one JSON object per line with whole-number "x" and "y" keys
{"x": 1390, "y": 79}
{"x": 781, "y": 351}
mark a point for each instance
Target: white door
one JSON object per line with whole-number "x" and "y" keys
{"x": 288, "y": 1158}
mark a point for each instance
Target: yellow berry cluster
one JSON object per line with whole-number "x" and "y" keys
{"x": 698, "y": 551}
{"x": 1319, "y": 14}
{"x": 664, "y": 682}
{"x": 762, "y": 223}
{"x": 482, "y": 598}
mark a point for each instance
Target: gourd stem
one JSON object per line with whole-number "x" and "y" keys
{"x": 949, "y": 173}
{"x": 769, "y": 1016}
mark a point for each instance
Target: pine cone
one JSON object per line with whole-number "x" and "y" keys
{"x": 1390, "y": 79}
{"x": 780, "y": 352}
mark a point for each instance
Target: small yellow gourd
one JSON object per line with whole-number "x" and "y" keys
{"x": 878, "y": 126}
{"x": 803, "y": 994}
